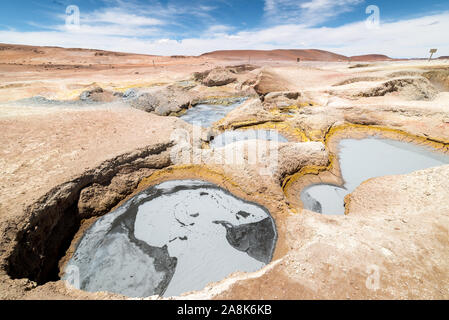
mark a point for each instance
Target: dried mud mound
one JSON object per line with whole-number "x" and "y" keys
{"x": 439, "y": 78}
{"x": 43, "y": 238}
{"x": 219, "y": 77}
{"x": 268, "y": 82}
{"x": 98, "y": 94}
{"x": 359, "y": 79}
{"x": 407, "y": 73}
{"x": 411, "y": 88}
{"x": 165, "y": 101}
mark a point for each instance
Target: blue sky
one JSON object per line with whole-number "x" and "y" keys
{"x": 405, "y": 28}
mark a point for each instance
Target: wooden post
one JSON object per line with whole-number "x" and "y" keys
{"x": 432, "y": 51}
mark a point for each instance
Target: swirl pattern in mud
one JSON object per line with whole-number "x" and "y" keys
{"x": 172, "y": 238}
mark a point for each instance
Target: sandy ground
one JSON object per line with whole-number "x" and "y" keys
{"x": 392, "y": 244}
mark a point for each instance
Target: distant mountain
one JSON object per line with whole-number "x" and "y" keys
{"x": 371, "y": 57}
{"x": 290, "y": 54}
{"x": 14, "y": 53}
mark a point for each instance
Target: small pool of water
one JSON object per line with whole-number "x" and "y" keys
{"x": 172, "y": 238}
{"x": 241, "y": 135}
{"x": 205, "y": 115}
{"x": 368, "y": 158}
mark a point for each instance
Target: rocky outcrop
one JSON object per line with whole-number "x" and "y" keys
{"x": 163, "y": 101}
{"x": 412, "y": 88}
{"x": 219, "y": 77}
{"x": 251, "y": 112}
{"x": 274, "y": 160}
{"x": 51, "y": 223}
{"x": 282, "y": 99}
{"x": 358, "y": 79}
{"x": 269, "y": 82}
{"x": 97, "y": 94}
{"x": 89, "y": 94}
{"x": 439, "y": 78}
{"x": 200, "y": 76}
{"x": 242, "y": 68}
{"x": 405, "y": 73}
{"x": 130, "y": 94}
{"x": 236, "y": 70}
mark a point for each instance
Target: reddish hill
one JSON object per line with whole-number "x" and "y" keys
{"x": 279, "y": 55}
{"x": 16, "y": 53}
{"x": 291, "y": 55}
{"x": 57, "y": 57}
{"x": 371, "y": 57}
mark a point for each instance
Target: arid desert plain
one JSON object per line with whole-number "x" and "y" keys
{"x": 85, "y": 131}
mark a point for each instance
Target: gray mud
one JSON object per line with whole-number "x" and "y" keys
{"x": 204, "y": 115}
{"x": 173, "y": 238}
{"x": 241, "y": 135}
{"x": 364, "y": 159}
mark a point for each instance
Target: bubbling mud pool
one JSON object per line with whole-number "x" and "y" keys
{"x": 364, "y": 159}
{"x": 173, "y": 238}
{"x": 241, "y": 135}
{"x": 205, "y": 115}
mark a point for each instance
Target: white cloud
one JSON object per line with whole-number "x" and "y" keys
{"x": 219, "y": 28}
{"x": 134, "y": 19}
{"x": 118, "y": 16}
{"x": 113, "y": 21}
{"x": 308, "y": 12}
{"x": 166, "y": 41}
{"x": 404, "y": 38}
{"x": 109, "y": 30}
